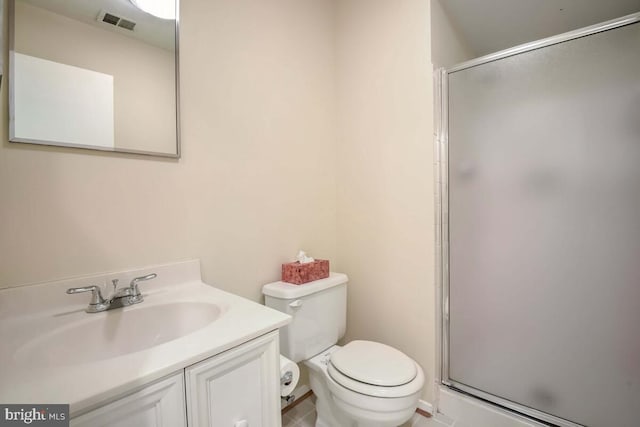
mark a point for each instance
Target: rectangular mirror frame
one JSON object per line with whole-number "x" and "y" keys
{"x": 10, "y": 73}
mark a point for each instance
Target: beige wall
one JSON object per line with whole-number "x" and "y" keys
{"x": 385, "y": 174}
{"x": 448, "y": 47}
{"x": 305, "y": 124}
{"x": 256, "y": 181}
{"x": 144, "y": 75}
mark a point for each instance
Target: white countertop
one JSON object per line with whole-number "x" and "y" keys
{"x": 29, "y": 312}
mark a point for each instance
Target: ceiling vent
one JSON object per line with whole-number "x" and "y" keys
{"x": 116, "y": 21}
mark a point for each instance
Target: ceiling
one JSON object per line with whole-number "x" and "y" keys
{"x": 152, "y": 30}
{"x": 492, "y": 25}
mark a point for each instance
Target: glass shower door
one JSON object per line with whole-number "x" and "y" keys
{"x": 544, "y": 229}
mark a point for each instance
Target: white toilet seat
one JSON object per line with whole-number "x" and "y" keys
{"x": 403, "y": 390}
{"x": 375, "y": 369}
{"x": 374, "y": 363}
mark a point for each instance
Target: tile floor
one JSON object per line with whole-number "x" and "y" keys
{"x": 304, "y": 415}
{"x": 301, "y": 415}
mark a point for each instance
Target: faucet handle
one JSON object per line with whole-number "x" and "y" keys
{"x": 135, "y": 292}
{"x": 97, "y": 303}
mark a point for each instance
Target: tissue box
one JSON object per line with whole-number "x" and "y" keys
{"x": 297, "y": 273}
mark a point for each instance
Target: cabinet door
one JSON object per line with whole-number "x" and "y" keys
{"x": 237, "y": 388}
{"x": 159, "y": 405}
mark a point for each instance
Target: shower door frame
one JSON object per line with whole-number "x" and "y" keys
{"x": 441, "y": 144}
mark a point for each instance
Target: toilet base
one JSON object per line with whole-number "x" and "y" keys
{"x": 328, "y": 414}
{"x": 329, "y": 407}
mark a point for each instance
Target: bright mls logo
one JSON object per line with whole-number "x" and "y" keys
{"x": 34, "y": 415}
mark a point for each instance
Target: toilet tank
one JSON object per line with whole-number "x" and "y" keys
{"x": 319, "y": 312}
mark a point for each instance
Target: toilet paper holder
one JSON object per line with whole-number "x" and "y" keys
{"x": 288, "y": 400}
{"x": 286, "y": 379}
{"x": 289, "y": 376}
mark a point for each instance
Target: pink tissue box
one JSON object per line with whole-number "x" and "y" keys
{"x": 297, "y": 273}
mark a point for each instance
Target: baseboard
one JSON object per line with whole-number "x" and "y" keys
{"x": 303, "y": 391}
{"x": 425, "y": 408}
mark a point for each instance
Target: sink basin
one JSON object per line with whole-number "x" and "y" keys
{"x": 117, "y": 332}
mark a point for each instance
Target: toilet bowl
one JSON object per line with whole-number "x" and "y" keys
{"x": 363, "y": 383}
{"x": 349, "y": 402}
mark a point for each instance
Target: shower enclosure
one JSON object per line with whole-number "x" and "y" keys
{"x": 539, "y": 227}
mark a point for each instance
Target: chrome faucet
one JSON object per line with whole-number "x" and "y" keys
{"x": 97, "y": 303}
{"x": 122, "y": 297}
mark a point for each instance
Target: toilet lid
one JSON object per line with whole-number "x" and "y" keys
{"x": 340, "y": 380}
{"x": 374, "y": 363}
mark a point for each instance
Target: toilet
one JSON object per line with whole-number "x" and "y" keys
{"x": 361, "y": 384}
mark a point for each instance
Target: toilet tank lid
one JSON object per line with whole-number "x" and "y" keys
{"x": 284, "y": 290}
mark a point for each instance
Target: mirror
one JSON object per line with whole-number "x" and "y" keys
{"x": 96, "y": 74}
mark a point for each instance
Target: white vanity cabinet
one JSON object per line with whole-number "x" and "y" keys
{"x": 160, "y": 404}
{"x": 237, "y": 388}
{"x": 189, "y": 355}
